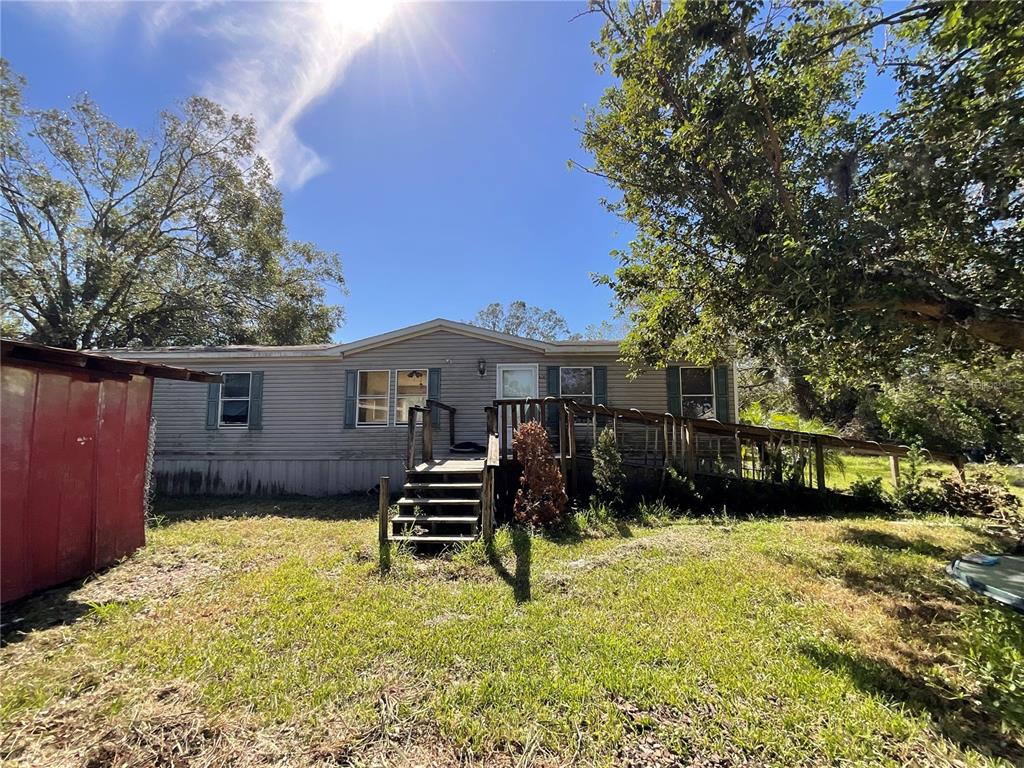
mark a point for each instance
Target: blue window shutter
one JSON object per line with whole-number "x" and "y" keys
{"x": 350, "y": 398}
{"x": 600, "y": 385}
{"x": 554, "y": 388}
{"x": 256, "y": 400}
{"x": 722, "y": 393}
{"x": 675, "y": 406}
{"x": 212, "y": 406}
{"x": 601, "y": 389}
{"x": 434, "y": 393}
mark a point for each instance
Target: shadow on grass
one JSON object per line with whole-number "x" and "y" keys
{"x": 884, "y": 540}
{"x": 172, "y": 509}
{"x": 917, "y": 592}
{"x": 954, "y": 715}
{"x": 522, "y": 546}
{"x": 42, "y": 610}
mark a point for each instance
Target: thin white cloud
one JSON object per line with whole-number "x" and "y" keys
{"x": 93, "y": 22}
{"x": 276, "y": 60}
{"x": 283, "y": 57}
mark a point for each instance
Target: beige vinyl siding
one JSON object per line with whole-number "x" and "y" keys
{"x": 304, "y": 413}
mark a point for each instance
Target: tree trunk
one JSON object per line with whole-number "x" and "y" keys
{"x": 807, "y": 403}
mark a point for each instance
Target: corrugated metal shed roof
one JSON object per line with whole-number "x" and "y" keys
{"x": 30, "y": 353}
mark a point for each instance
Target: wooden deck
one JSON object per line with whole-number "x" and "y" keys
{"x": 453, "y": 498}
{"x": 460, "y": 464}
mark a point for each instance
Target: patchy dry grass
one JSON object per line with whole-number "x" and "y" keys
{"x": 258, "y": 633}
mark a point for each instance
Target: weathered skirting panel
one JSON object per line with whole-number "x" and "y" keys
{"x": 309, "y": 477}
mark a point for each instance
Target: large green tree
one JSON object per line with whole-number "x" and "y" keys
{"x": 521, "y": 319}
{"x": 110, "y": 238}
{"x": 776, "y": 213}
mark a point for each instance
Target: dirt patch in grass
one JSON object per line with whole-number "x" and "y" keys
{"x": 673, "y": 541}
{"x": 143, "y": 578}
{"x": 155, "y": 577}
{"x": 171, "y": 728}
{"x": 644, "y": 748}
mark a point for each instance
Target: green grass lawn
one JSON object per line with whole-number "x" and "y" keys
{"x": 261, "y": 633}
{"x": 867, "y": 467}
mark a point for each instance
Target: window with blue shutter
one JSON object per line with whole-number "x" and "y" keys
{"x": 722, "y": 393}
{"x": 601, "y": 385}
{"x": 256, "y": 400}
{"x": 350, "y": 398}
{"x": 236, "y": 402}
{"x": 672, "y": 386}
{"x": 212, "y": 406}
{"x": 551, "y": 416}
{"x": 692, "y": 391}
{"x": 434, "y": 393}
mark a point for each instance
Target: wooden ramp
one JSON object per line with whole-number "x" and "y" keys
{"x": 440, "y": 503}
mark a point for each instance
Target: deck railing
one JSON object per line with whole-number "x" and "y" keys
{"x": 693, "y": 446}
{"x": 424, "y": 414}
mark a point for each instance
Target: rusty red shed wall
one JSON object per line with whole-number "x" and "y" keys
{"x": 73, "y": 449}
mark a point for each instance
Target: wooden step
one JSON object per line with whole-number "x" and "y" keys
{"x": 445, "y": 486}
{"x": 471, "y": 519}
{"x": 447, "y": 469}
{"x": 434, "y": 539}
{"x": 404, "y": 502}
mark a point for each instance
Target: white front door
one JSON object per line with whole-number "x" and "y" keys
{"x": 516, "y": 381}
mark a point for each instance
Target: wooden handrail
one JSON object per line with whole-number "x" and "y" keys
{"x": 493, "y": 442}
{"x": 427, "y": 437}
{"x": 410, "y": 444}
{"x": 431, "y": 404}
{"x": 678, "y": 439}
{"x": 751, "y": 430}
{"x": 491, "y": 463}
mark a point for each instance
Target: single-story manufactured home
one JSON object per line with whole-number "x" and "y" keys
{"x": 332, "y": 418}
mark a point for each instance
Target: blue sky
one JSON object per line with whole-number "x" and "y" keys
{"x": 429, "y": 151}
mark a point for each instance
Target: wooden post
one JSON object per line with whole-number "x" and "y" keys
{"x": 514, "y": 409}
{"x": 958, "y": 469}
{"x": 819, "y": 464}
{"x": 383, "y": 534}
{"x": 428, "y": 434}
{"x": 563, "y": 442}
{"x": 739, "y": 455}
{"x": 502, "y": 425}
{"x": 570, "y": 429}
{"x": 487, "y": 505}
{"x": 665, "y": 458}
{"x": 451, "y": 428}
{"x": 894, "y": 470}
{"x": 691, "y": 449}
{"x": 410, "y": 457}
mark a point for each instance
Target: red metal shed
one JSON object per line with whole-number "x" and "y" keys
{"x": 73, "y": 444}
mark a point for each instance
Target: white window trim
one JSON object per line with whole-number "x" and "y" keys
{"x": 536, "y": 377}
{"x": 713, "y": 394}
{"x": 394, "y": 409}
{"x": 386, "y": 397}
{"x": 221, "y": 399}
{"x": 593, "y": 392}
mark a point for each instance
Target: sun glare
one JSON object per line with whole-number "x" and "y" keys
{"x": 366, "y": 16}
